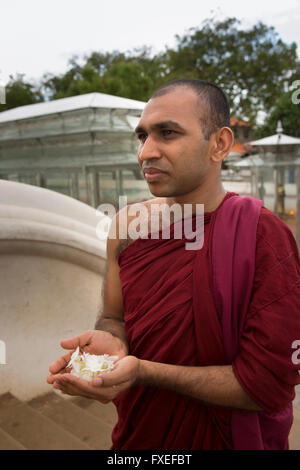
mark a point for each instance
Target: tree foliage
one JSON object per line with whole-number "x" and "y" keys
{"x": 253, "y": 66}
{"x": 130, "y": 75}
{"x": 20, "y": 93}
{"x": 285, "y": 110}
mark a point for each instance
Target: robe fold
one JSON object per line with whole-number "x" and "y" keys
{"x": 264, "y": 365}
{"x": 170, "y": 317}
{"x": 236, "y": 239}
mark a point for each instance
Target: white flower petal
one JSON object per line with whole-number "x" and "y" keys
{"x": 73, "y": 357}
{"x": 88, "y": 366}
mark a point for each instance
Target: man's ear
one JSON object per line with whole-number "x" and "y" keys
{"x": 222, "y": 143}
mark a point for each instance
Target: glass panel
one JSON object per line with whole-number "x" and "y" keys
{"x": 59, "y": 182}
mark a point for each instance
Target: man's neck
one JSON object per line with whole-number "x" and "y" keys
{"x": 210, "y": 199}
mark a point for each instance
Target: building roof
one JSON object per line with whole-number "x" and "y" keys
{"x": 257, "y": 161}
{"x": 252, "y": 160}
{"x": 234, "y": 121}
{"x": 240, "y": 148}
{"x": 277, "y": 139}
{"x": 90, "y": 100}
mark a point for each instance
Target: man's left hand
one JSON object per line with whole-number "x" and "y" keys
{"x": 103, "y": 388}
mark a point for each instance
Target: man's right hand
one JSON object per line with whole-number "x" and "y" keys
{"x": 92, "y": 341}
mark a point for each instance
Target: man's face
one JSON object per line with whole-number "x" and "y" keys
{"x": 172, "y": 142}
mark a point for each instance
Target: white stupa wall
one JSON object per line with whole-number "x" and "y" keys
{"x": 51, "y": 272}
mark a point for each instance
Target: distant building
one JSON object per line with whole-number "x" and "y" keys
{"x": 83, "y": 146}
{"x": 243, "y": 134}
{"x": 242, "y": 130}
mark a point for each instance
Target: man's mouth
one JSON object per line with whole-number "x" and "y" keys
{"x": 153, "y": 174}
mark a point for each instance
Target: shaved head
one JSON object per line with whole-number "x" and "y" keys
{"x": 214, "y": 111}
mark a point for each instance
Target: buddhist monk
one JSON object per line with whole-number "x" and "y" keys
{"x": 206, "y": 337}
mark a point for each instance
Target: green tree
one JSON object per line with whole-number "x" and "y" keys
{"x": 20, "y": 93}
{"x": 154, "y": 66}
{"x": 286, "y": 111}
{"x": 250, "y": 65}
{"x": 58, "y": 86}
{"x": 127, "y": 79}
{"x": 132, "y": 75}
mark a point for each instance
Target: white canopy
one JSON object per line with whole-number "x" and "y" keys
{"x": 276, "y": 139}
{"x": 90, "y": 100}
{"x": 252, "y": 160}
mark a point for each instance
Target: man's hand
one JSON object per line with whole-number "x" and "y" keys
{"x": 91, "y": 341}
{"x": 105, "y": 387}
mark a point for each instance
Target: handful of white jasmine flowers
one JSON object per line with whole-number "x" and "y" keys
{"x": 88, "y": 366}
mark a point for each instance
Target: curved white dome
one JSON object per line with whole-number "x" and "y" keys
{"x": 31, "y": 213}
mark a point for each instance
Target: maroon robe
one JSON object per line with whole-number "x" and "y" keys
{"x": 234, "y": 247}
{"x": 170, "y": 317}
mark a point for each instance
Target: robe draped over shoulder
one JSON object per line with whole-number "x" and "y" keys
{"x": 264, "y": 365}
{"x": 170, "y": 317}
{"x": 243, "y": 231}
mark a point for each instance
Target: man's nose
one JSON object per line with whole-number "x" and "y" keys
{"x": 150, "y": 149}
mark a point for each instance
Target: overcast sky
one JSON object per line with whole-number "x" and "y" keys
{"x": 37, "y": 36}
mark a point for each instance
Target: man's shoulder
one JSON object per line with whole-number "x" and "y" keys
{"x": 271, "y": 226}
{"x": 119, "y": 237}
{"x": 277, "y": 264}
{"x": 275, "y": 236}
{"x": 132, "y": 210}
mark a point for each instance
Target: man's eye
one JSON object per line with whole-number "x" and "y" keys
{"x": 141, "y": 137}
{"x": 167, "y": 132}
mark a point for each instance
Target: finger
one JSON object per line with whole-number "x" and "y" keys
{"x": 56, "y": 385}
{"x": 71, "y": 380}
{"x": 97, "y": 382}
{"x": 60, "y": 363}
{"x": 70, "y": 389}
{"x": 55, "y": 377}
{"x": 52, "y": 377}
{"x": 65, "y": 389}
{"x": 110, "y": 379}
{"x": 81, "y": 340}
{"x": 75, "y": 386}
{"x": 63, "y": 386}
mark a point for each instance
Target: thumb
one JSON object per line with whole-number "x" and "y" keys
{"x": 108, "y": 379}
{"x": 81, "y": 340}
